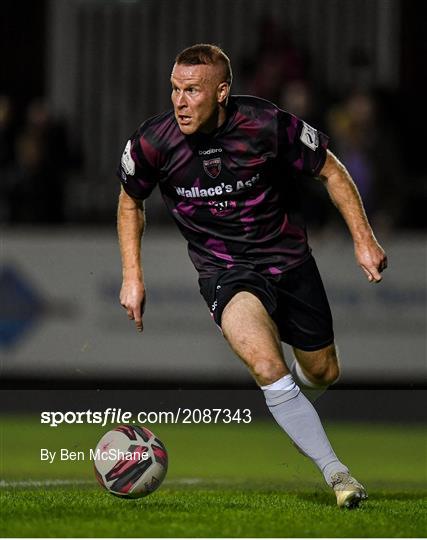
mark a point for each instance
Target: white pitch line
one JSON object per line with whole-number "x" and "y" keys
{"x": 43, "y": 483}
{"x": 70, "y": 482}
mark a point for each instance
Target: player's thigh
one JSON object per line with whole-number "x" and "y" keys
{"x": 303, "y": 314}
{"x": 252, "y": 334}
{"x": 322, "y": 364}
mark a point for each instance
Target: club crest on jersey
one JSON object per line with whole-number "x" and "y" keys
{"x": 212, "y": 166}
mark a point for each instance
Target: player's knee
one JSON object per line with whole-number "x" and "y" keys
{"x": 332, "y": 374}
{"x": 326, "y": 372}
{"x": 267, "y": 371}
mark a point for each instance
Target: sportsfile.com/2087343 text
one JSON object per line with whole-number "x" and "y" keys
{"x": 113, "y": 415}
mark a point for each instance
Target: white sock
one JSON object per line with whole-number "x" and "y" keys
{"x": 284, "y": 383}
{"x": 311, "y": 390}
{"x": 298, "y": 418}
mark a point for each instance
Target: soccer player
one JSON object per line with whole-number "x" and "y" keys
{"x": 228, "y": 170}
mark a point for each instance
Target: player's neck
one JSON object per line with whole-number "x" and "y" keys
{"x": 215, "y": 122}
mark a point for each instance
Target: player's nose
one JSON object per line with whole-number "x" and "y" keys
{"x": 181, "y": 101}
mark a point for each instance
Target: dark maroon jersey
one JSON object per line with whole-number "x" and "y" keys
{"x": 233, "y": 192}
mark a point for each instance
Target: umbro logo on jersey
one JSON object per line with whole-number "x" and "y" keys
{"x": 212, "y": 167}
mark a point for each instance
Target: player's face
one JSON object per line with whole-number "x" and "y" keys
{"x": 197, "y": 92}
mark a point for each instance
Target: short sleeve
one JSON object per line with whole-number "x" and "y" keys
{"x": 138, "y": 176}
{"x": 302, "y": 146}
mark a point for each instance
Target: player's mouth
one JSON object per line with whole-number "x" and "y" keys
{"x": 184, "y": 119}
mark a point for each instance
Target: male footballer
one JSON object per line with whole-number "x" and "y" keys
{"x": 228, "y": 169}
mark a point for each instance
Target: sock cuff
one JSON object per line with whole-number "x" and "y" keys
{"x": 280, "y": 391}
{"x": 284, "y": 383}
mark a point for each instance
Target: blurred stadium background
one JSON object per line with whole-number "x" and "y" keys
{"x": 77, "y": 78}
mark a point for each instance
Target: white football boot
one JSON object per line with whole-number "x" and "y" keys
{"x": 348, "y": 490}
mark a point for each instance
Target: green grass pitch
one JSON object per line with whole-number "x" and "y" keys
{"x": 223, "y": 481}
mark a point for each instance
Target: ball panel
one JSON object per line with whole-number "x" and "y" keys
{"x": 160, "y": 454}
{"x": 129, "y": 475}
{"x": 112, "y": 441}
{"x": 125, "y": 477}
{"x": 99, "y": 477}
{"x": 128, "y": 431}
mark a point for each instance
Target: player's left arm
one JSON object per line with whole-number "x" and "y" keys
{"x": 344, "y": 194}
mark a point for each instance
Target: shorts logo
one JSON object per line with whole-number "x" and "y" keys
{"x": 212, "y": 167}
{"x": 309, "y": 136}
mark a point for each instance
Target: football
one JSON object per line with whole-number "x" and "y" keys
{"x": 130, "y": 461}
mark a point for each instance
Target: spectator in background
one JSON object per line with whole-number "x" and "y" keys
{"x": 297, "y": 97}
{"x": 35, "y": 180}
{"x": 275, "y": 62}
{"x": 369, "y": 150}
{"x": 7, "y": 132}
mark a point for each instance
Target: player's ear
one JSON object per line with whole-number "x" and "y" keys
{"x": 223, "y": 91}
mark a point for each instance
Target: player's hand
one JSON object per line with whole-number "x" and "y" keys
{"x": 132, "y": 299}
{"x": 371, "y": 258}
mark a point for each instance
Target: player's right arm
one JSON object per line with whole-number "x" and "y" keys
{"x": 138, "y": 173}
{"x": 130, "y": 228}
